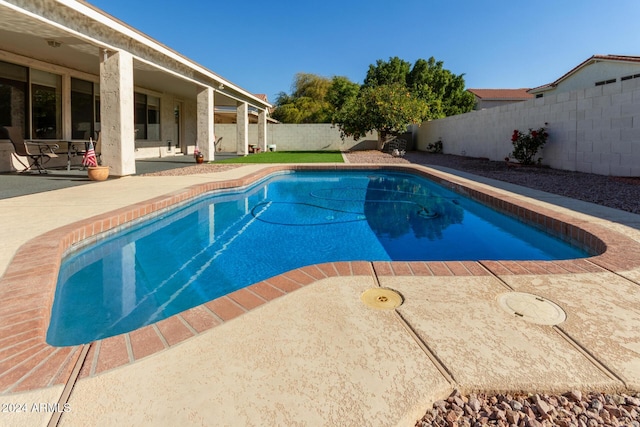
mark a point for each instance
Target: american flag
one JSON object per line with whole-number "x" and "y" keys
{"x": 89, "y": 158}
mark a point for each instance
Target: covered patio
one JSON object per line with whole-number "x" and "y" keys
{"x": 69, "y": 70}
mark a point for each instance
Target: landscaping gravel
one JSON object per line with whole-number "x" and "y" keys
{"x": 195, "y": 169}
{"x": 534, "y": 410}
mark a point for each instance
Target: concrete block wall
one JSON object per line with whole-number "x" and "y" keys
{"x": 595, "y": 130}
{"x": 296, "y": 137}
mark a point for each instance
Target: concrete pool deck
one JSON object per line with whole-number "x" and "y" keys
{"x": 301, "y": 348}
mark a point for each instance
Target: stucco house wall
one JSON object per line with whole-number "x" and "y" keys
{"x": 597, "y": 72}
{"x": 594, "y": 129}
{"x": 490, "y": 98}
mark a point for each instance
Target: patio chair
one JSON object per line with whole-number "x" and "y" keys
{"x": 39, "y": 153}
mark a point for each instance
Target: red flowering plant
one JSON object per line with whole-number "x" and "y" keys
{"x": 526, "y": 146}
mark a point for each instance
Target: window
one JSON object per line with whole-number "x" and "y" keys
{"x": 147, "y": 117}
{"x": 153, "y": 118}
{"x": 539, "y": 95}
{"x": 82, "y": 113}
{"x": 605, "y": 82}
{"x": 96, "y": 110}
{"x": 140, "y": 115}
{"x": 46, "y": 105}
{"x": 14, "y": 106}
{"x": 634, "y": 76}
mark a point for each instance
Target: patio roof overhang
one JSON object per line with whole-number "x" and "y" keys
{"x": 74, "y": 34}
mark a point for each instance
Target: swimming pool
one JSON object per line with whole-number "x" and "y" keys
{"x": 230, "y": 240}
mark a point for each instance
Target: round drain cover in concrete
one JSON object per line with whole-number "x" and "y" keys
{"x": 532, "y": 308}
{"x": 381, "y": 298}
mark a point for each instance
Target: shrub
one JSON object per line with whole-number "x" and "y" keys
{"x": 436, "y": 147}
{"x": 526, "y": 146}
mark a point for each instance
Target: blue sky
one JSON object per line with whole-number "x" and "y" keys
{"x": 260, "y": 46}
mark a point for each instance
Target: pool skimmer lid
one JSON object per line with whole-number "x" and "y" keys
{"x": 532, "y": 308}
{"x": 381, "y": 298}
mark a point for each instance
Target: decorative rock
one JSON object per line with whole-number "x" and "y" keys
{"x": 454, "y": 393}
{"x": 542, "y": 406}
{"x": 575, "y": 395}
{"x": 515, "y": 405}
{"x": 439, "y": 405}
{"x": 504, "y": 406}
{"x": 612, "y": 410}
{"x": 540, "y": 410}
{"x": 534, "y": 423}
{"x": 619, "y": 400}
{"x": 451, "y": 416}
{"x": 624, "y": 412}
{"x": 458, "y": 401}
{"x": 530, "y": 412}
{"x": 513, "y": 416}
{"x": 597, "y": 405}
{"x": 475, "y": 404}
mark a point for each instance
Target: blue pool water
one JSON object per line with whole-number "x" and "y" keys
{"x": 230, "y": 240}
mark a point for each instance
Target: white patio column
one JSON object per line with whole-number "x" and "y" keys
{"x": 117, "y": 132}
{"x": 262, "y": 130}
{"x": 205, "y": 127}
{"x": 242, "y": 129}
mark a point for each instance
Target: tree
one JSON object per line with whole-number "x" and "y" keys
{"x": 387, "y": 109}
{"x": 386, "y": 73}
{"x": 443, "y": 90}
{"x": 307, "y": 102}
{"x": 314, "y": 99}
{"x": 395, "y": 95}
{"x": 341, "y": 91}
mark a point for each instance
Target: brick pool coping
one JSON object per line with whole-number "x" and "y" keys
{"x": 27, "y": 288}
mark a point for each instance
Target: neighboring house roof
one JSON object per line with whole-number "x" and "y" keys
{"x": 501, "y": 94}
{"x": 261, "y": 96}
{"x": 592, "y": 60}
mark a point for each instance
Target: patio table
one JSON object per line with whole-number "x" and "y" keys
{"x": 73, "y": 150}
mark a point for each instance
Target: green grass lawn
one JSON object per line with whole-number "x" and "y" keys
{"x": 288, "y": 157}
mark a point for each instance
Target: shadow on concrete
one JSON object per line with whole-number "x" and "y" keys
{"x": 15, "y": 184}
